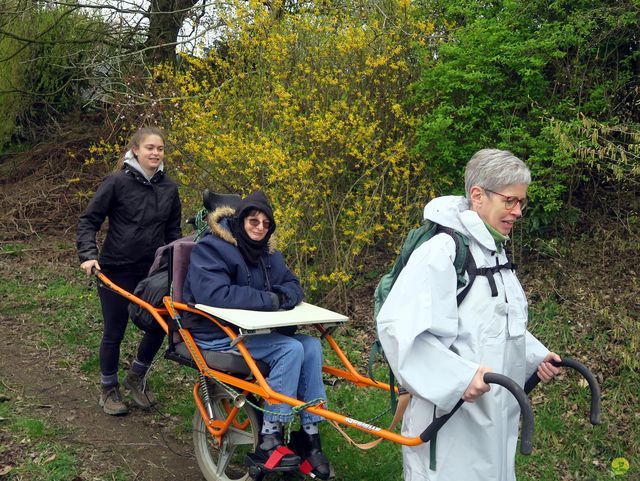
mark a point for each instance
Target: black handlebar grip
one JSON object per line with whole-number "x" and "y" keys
{"x": 526, "y": 411}
{"x": 526, "y": 443}
{"x": 594, "y": 387}
{"x": 437, "y": 423}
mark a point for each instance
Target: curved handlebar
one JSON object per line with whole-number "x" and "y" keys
{"x": 526, "y": 443}
{"x": 594, "y": 415}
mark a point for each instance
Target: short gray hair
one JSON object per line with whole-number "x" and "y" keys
{"x": 495, "y": 169}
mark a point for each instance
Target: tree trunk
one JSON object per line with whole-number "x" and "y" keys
{"x": 165, "y": 21}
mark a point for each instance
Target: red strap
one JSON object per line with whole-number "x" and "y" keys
{"x": 276, "y": 456}
{"x": 305, "y": 467}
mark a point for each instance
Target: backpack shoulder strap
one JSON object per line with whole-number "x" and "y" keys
{"x": 416, "y": 238}
{"x": 463, "y": 261}
{"x": 472, "y": 271}
{"x": 489, "y": 273}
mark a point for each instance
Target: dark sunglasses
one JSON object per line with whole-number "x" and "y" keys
{"x": 253, "y": 222}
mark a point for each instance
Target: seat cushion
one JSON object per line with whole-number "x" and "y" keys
{"x": 231, "y": 362}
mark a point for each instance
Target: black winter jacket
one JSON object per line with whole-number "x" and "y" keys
{"x": 143, "y": 215}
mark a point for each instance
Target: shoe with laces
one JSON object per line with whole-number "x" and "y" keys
{"x": 140, "y": 392}
{"x": 111, "y": 401}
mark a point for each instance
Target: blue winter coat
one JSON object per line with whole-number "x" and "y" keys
{"x": 219, "y": 276}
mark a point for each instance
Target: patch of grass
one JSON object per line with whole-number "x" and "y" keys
{"x": 179, "y": 386}
{"x": 30, "y": 447}
{"x": 26, "y": 306}
{"x": 370, "y": 405}
{"x": 382, "y": 462}
{"x": 61, "y": 290}
{"x": 91, "y": 364}
{"x": 11, "y": 249}
{"x": 48, "y": 462}
{"x": 34, "y": 428}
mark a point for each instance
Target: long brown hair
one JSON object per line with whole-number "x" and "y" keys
{"x": 136, "y": 139}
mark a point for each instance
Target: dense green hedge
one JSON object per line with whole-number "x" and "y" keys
{"x": 554, "y": 82}
{"x": 49, "y": 57}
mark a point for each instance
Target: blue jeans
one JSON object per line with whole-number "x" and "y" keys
{"x": 295, "y": 364}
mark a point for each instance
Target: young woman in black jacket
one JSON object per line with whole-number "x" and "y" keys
{"x": 144, "y": 212}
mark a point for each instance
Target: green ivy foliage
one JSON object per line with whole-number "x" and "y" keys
{"x": 46, "y": 66}
{"x": 554, "y": 82}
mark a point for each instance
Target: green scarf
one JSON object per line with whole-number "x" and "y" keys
{"x": 498, "y": 237}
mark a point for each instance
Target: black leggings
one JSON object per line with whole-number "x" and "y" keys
{"x": 116, "y": 316}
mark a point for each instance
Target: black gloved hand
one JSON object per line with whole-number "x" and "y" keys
{"x": 275, "y": 300}
{"x": 286, "y": 302}
{"x": 282, "y": 299}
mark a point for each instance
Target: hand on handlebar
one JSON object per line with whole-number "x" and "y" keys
{"x": 484, "y": 373}
{"x": 88, "y": 266}
{"x": 477, "y": 387}
{"x": 546, "y": 370}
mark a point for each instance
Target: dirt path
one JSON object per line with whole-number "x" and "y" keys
{"x": 138, "y": 446}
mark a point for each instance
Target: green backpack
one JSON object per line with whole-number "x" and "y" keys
{"x": 463, "y": 263}
{"x": 415, "y": 239}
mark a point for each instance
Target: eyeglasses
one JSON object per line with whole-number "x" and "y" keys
{"x": 511, "y": 201}
{"x": 253, "y": 222}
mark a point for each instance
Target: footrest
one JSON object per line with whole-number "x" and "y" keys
{"x": 260, "y": 468}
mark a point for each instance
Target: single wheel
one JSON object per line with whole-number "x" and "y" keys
{"x": 224, "y": 462}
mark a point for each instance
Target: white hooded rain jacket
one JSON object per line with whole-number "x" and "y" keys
{"x": 435, "y": 347}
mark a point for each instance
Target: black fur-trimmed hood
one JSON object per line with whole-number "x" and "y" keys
{"x": 218, "y": 225}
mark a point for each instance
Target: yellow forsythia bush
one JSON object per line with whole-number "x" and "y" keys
{"x": 308, "y": 106}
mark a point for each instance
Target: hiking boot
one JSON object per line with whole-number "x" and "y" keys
{"x": 267, "y": 445}
{"x": 111, "y": 401}
{"x": 308, "y": 447}
{"x": 142, "y": 395}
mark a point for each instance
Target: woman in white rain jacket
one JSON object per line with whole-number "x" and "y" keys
{"x": 440, "y": 351}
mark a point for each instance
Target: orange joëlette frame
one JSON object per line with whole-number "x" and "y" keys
{"x": 259, "y": 385}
